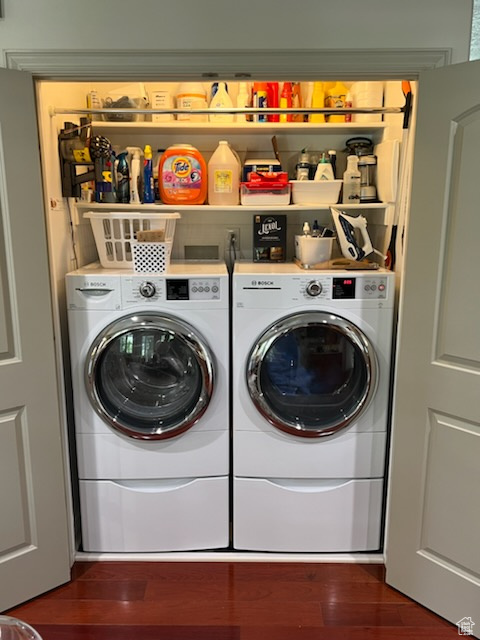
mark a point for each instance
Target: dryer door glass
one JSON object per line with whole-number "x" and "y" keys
{"x": 150, "y": 376}
{"x": 312, "y": 374}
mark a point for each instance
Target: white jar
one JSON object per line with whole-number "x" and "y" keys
{"x": 191, "y": 95}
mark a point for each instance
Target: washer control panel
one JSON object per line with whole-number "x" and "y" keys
{"x": 193, "y": 288}
{"x": 164, "y": 289}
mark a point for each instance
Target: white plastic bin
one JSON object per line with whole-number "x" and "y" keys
{"x": 311, "y": 250}
{"x": 115, "y": 232}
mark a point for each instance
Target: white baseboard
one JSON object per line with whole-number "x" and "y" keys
{"x": 233, "y": 556}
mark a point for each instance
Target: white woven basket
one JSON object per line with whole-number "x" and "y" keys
{"x": 115, "y": 233}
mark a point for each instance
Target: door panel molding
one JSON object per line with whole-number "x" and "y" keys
{"x": 207, "y": 65}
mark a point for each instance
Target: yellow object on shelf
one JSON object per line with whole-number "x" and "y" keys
{"x": 318, "y": 102}
{"x": 336, "y": 98}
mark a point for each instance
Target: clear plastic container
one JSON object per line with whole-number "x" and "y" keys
{"x": 14, "y": 629}
{"x": 256, "y": 194}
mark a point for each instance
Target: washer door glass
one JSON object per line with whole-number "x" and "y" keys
{"x": 150, "y": 376}
{"x": 312, "y": 374}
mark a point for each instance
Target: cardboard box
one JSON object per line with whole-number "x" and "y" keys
{"x": 269, "y": 238}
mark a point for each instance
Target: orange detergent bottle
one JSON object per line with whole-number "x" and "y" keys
{"x": 182, "y": 175}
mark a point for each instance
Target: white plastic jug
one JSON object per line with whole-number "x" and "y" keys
{"x": 221, "y": 100}
{"x": 223, "y": 176}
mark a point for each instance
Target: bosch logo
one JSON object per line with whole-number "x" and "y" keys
{"x": 98, "y": 284}
{"x": 262, "y": 283}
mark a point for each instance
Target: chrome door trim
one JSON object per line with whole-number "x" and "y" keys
{"x": 281, "y": 328}
{"x": 184, "y": 332}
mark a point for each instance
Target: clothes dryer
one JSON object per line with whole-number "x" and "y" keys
{"x": 150, "y": 367}
{"x": 311, "y": 371}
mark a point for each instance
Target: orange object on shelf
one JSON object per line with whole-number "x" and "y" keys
{"x": 182, "y": 175}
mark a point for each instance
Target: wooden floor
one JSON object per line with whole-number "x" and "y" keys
{"x": 229, "y": 601}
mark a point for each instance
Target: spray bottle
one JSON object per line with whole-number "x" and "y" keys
{"x": 123, "y": 178}
{"x": 148, "y": 190}
{"x": 302, "y": 168}
{"x": 260, "y": 100}
{"x": 135, "y": 154}
{"x": 155, "y": 163}
{"x": 351, "y": 182}
{"x": 333, "y": 161}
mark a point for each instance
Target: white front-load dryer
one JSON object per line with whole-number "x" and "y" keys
{"x": 311, "y": 374}
{"x": 150, "y": 366}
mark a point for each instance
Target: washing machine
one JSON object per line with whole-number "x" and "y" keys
{"x": 310, "y": 373}
{"x": 150, "y": 371}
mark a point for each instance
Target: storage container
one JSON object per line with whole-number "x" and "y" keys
{"x": 266, "y": 188}
{"x": 311, "y": 250}
{"x": 115, "y": 232}
{"x": 130, "y": 96}
{"x": 254, "y": 194}
{"x": 315, "y": 192}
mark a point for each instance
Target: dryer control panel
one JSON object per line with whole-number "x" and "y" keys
{"x": 345, "y": 287}
{"x": 290, "y": 286}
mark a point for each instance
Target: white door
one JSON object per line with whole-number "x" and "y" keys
{"x": 34, "y": 540}
{"x": 433, "y": 523}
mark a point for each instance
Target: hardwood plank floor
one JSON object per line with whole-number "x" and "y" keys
{"x": 229, "y": 601}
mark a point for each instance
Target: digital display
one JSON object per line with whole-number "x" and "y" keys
{"x": 343, "y": 288}
{"x": 177, "y": 290}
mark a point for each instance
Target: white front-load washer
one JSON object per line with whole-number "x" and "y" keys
{"x": 150, "y": 367}
{"x": 310, "y": 375}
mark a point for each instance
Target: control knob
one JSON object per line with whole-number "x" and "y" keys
{"x": 147, "y": 289}
{"x": 314, "y": 288}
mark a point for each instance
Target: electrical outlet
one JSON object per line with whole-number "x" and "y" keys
{"x": 231, "y": 238}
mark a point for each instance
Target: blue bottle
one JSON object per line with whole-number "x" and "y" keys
{"x": 123, "y": 178}
{"x": 148, "y": 188}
